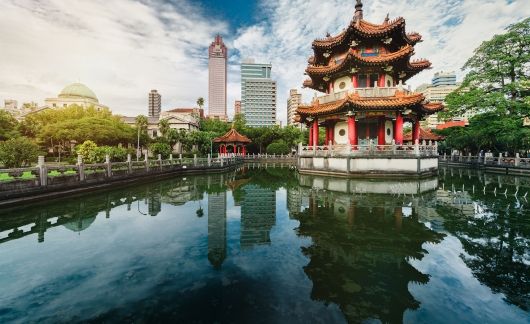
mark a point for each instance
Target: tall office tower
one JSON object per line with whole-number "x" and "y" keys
{"x": 155, "y": 104}
{"x": 237, "y": 107}
{"x": 443, "y": 83}
{"x": 444, "y": 78}
{"x": 217, "y": 228}
{"x": 217, "y": 57}
{"x": 293, "y": 102}
{"x": 258, "y": 94}
{"x": 258, "y": 215}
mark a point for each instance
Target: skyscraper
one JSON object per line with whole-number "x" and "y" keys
{"x": 444, "y": 78}
{"x": 155, "y": 104}
{"x": 293, "y": 102}
{"x": 258, "y": 94}
{"x": 217, "y": 56}
{"x": 237, "y": 107}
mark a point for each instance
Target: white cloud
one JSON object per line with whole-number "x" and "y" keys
{"x": 123, "y": 48}
{"x": 120, "y": 49}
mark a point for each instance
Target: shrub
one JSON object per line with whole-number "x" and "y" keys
{"x": 160, "y": 148}
{"x": 279, "y": 147}
{"x": 89, "y": 151}
{"x": 18, "y": 152}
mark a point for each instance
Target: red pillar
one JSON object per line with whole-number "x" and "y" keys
{"x": 315, "y": 132}
{"x": 352, "y": 130}
{"x": 330, "y": 87}
{"x": 381, "y": 132}
{"x": 244, "y": 150}
{"x": 354, "y": 81}
{"x": 332, "y": 133}
{"x": 416, "y": 130}
{"x": 398, "y": 135}
{"x": 381, "y": 80}
{"x": 310, "y": 135}
{"x": 327, "y": 134}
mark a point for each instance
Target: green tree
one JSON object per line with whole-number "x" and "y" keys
{"x": 89, "y": 151}
{"x": 163, "y": 126}
{"x": 200, "y": 102}
{"x": 18, "y": 152}
{"x": 8, "y": 126}
{"x": 497, "y": 75}
{"x": 279, "y": 147}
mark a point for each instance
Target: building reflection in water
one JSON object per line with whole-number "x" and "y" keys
{"x": 217, "y": 228}
{"x": 258, "y": 215}
{"x": 359, "y": 254}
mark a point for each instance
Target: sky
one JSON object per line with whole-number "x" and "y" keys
{"x": 121, "y": 49}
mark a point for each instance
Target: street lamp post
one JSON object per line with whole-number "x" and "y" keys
{"x": 138, "y": 146}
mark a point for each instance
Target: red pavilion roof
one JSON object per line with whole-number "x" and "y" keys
{"x": 232, "y": 136}
{"x": 424, "y": 135}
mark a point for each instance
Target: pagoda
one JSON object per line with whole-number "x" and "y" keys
{"x": 363, "y": 71}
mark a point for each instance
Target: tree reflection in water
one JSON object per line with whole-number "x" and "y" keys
{"x": 495, "y": 234}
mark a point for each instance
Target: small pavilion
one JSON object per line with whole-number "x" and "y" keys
{"x": 425, "y": 135}
{"x": 232, "y": 142}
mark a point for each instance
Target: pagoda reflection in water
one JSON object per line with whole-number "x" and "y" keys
{"x": 359, "y": 254}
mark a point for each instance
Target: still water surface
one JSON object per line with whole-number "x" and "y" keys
{"x": 270, "y": 246}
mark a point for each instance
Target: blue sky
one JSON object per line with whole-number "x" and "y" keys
{"x": 123, "y": 48}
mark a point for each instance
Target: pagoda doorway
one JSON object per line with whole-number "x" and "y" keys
{"x": 367, "y": 130}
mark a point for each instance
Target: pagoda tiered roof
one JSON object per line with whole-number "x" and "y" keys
{"x": 399, "y": 101}
{"x": 364, "y": 29}
{"x": 354, "y": 57}
{"x": 232, "y": 136}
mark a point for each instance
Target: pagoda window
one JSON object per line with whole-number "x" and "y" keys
{"x": 369, "y": 51}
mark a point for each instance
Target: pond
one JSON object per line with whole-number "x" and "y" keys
{"x": 267, "y": 245}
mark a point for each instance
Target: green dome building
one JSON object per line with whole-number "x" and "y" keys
{"x": 75, "y": 93}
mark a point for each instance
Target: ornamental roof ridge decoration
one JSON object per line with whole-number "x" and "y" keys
{"x": 232, "y": 136}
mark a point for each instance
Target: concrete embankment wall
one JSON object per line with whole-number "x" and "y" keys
{"x": 72, "y": 182}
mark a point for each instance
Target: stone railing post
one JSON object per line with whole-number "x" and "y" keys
{"x": 160, "y": 161}
{"x": 517, "y": 159}
{"x": 445, "y": 156}
{"x": 180, "y": 158}
{"x": 222, "y": 162}
{"x": 393, "y": 146}
{"x": 108, "y": 165}
{"x": 146, "y": 161}
{"x": 171, "y": 159}
{"x": 417, "y": 148}
{"x": 300, "y": 148}
{"x": 499, "y": 162}
{"x": 194, "y": 160}
{"x": 129, "y": 163}
{"x": 468, "y": 157}
{"x": 209, "y": 160}
{"x": 43, "y": 171}
{"x": 80, "y": 167}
